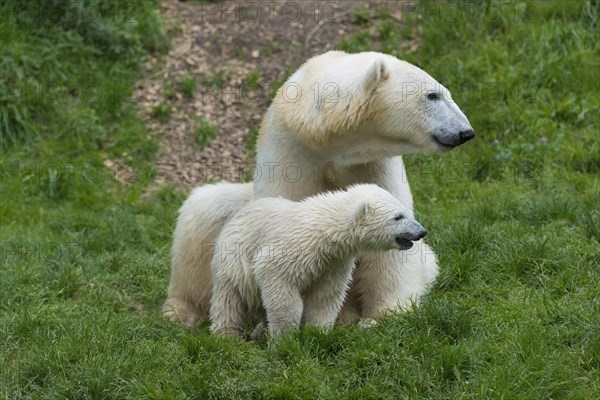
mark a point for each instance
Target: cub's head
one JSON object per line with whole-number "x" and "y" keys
{"x": 383, "y": 223}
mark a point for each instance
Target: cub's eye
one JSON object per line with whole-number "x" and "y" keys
{"x": 398, "y": 217}
{"x": 433, "y": 96}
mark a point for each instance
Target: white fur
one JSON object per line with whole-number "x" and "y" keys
{"x": 201, "y": 218}
{"x": 301, "y": 257}
{"x": 308, "y": 145}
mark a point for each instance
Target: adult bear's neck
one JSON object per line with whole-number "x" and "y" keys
{"x": 287, "y": 167}
{"x": 363, "y": 145}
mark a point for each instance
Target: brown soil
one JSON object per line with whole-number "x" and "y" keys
{"x": 228, "y": 42}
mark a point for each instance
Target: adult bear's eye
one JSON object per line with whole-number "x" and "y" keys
{"x": 433, "y": 96}
{"x": 398, "y": 217}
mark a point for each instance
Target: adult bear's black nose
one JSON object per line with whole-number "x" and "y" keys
{"x": 466, "y": 135}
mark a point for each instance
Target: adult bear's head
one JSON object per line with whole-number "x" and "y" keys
{"x": 369, "y": 102}
{"x": 413, "y": 106}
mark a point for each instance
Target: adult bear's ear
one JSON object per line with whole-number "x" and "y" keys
{"x": 376, "y": 73}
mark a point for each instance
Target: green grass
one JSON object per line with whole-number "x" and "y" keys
{"x": 169, "y": 91}
{"x": 205, "y": 131}
{"x": 162, "y": 112}
{"x": 252, "y": 79}
{"x": 515, "y": 313}
{"x": 361, "y": 16}
{"x": 188, "y": 86}
{"x": 216, "y": 80}
{"x": 251, "y": 140}
{"x": 57, "y": 55}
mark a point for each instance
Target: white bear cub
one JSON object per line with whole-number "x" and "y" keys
{"x": 287, "y": 257}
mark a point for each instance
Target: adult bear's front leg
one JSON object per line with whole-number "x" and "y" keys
{"x": 393, "y": 280}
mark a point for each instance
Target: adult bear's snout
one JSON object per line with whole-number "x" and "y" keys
{"x": 465, "y": 136}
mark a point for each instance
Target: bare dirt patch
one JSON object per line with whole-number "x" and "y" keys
{"x": 237, "y": 54}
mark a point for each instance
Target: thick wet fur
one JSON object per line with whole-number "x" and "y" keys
{"x": 297, "y": 264}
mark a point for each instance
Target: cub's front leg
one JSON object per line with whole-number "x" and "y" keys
{"x": 283, "y": 306}
{"x": 227, "y": 310}
{"x": 324, "y": 300}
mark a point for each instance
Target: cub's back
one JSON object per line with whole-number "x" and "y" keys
{"x": 256, "y": 219}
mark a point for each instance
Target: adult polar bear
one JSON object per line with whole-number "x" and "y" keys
{"x": 340, "y": 119}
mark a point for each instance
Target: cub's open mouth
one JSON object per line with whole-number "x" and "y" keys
{"x": 443, "y": 145}
{"x": 404, "y": 244}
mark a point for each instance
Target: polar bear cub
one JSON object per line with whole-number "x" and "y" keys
{"x": 295, "y": 259}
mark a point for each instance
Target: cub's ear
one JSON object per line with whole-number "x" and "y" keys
{"x": 361, "y": 211}
{"x": 377, "y": 72}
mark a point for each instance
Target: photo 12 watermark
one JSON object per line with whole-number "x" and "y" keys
{"x": 261, "y": 12}
{"x": 65, "y": 171}
{"x": 90, "y": 92}
{"x": 69, "y": 13}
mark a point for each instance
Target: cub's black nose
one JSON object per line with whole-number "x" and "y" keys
{"x": 466, "y": 135}
{"x": 418, "y": 235}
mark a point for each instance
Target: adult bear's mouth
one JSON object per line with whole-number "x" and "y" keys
{"x": 403, "y": 244}
{"x": 448, "y": 141}
{"x": 447, "y": 146}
